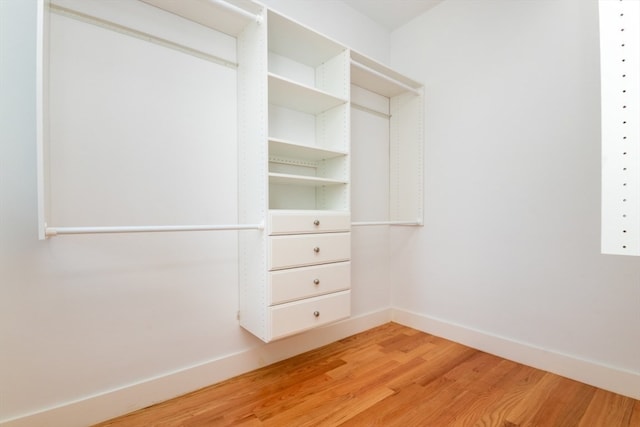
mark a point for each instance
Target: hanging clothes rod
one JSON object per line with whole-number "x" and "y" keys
{"x": 367, "y": 223}
{"x": 370, "y": 110}
{"x": 56, "y": 231}
{"x": 385, "y": 77}
{"x": 112, "y": 26}
{"x": 237, "y": 10}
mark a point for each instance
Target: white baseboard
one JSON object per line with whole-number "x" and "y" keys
{"x": 606, "y": 377}
{"x": 110, "y": 404}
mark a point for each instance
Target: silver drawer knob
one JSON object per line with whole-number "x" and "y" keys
{"x": 316, "y": 281}
{"x": 316, "y": 249}
{"x": 316, "y": 313}
{"x": 316, "y": 222}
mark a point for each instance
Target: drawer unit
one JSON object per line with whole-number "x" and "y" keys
{"x": 308, "y": 222}
{"x": 308, "y": 249}
{"x": 290, "y": 318}
{"x": 307, "y": 279}
{"x": 304, "y": 282}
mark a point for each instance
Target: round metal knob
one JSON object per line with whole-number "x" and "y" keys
{"x": 316, "y": 249}
{"x": 316, "y": 222}
{"x": 316, "y": 313}
{"x": 316, "y": 281}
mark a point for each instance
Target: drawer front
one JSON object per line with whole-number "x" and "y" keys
{"x": 308, "y": 249}
{"x": 304, "y": 282}
{"x": 308, "y": 222}
{"x": 297, "y": 316}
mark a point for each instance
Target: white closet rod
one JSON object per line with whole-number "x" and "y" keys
{"x": 370, "y": 110}
{"x": 365, "y": 223}
{"x": 79, "y": 16}
{"x": 55, "y": 231}
{"x": 237, "y": 10}
{"x": 385, "y": 77}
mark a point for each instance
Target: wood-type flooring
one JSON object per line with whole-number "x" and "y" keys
{"x": 393, "y": 375}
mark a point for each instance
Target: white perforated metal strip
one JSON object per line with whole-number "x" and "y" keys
{"x": 620, "y": 87}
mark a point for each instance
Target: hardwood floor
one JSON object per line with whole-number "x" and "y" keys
{"x": 393, "y": 376}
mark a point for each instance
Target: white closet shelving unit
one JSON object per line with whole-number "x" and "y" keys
{"x": 383, "y": 94}
{"x": 308, "y": 118}
{"x": 294, "y": 154}
{"x": 295, "y": 89}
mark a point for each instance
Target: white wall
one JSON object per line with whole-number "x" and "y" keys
{"x": 94, "y": 326}
{"x": 511, "y": 246}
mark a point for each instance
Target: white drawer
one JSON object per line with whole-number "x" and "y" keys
{"x": 308, "y": 249}
{"x": 287, "y": 222}
{"x": 297, "y": 316}
{"x": 305, "y": 282}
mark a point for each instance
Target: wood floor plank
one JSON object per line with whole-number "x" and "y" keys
{"x": 471, "y": 378}
{"x": 512, "y": 393}
{"x": 532, "y": 401}
{"x": 609, "y": 409}
{"x": 441, "y": 362}
{"x": 363, "y": 360}
{"x": 393, "y": 376}
{"x": 489, "y": 391}
{"x": 329, "y": 408}
{"x": 394, "y": 409}
{"x": 563, "y": 404}
{"x": 635, "y": 415}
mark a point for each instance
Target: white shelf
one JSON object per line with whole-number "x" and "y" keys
{"x": 293, "y": 40}
{"x": 379, "y": 79}
{"x": 288, "y": 149}
{"x": 289, "y": 94}
{"x": 375, "y": 83}
{"x": 222, "y": 16}
{"x": 312, "y": 181}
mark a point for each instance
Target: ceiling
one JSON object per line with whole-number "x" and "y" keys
{"x": 392, "y": 14}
